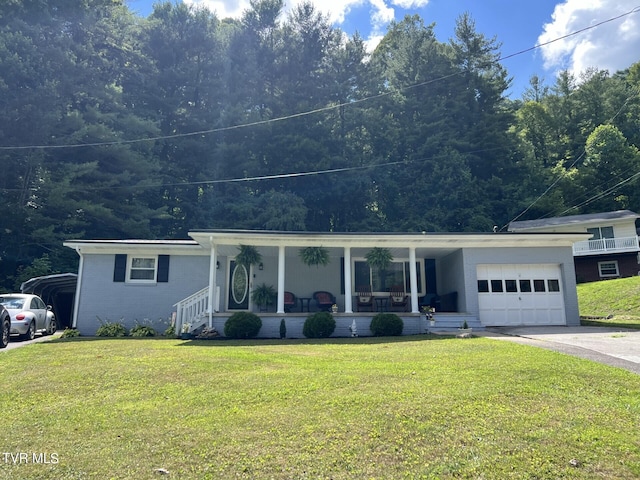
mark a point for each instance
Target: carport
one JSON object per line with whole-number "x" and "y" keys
{"x": 56, "y": 290}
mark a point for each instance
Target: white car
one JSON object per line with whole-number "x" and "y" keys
{"x": 29, "y": 314}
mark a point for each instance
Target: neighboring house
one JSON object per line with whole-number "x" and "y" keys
{"x": 490, "y": 279}
{"x": 611, "y": 252}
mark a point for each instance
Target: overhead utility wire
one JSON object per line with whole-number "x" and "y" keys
{"x": 309, "y": 112}
{"x": 595, "y": 197}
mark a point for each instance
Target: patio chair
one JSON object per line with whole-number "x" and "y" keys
{"x": 398, "y": 298}
{"x": 290, "y": 301}
{"x": 365, "y": 297}
{"x": 324, "y": 300}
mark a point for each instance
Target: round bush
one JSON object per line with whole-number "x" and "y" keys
{"x": 386, "y": 325}
{"x": 242, "y": 325}
{"x": 319, "y": 325}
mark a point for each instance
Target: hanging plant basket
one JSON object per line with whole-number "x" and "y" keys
{"x": 379, "y": 258}
{"x": 315, "y": 256}
{"x": 248, "y": 256}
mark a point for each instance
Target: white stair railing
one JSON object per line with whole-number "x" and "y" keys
{"x": 192, "y": 309}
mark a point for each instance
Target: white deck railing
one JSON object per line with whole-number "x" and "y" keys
{"x": 606, "y": 245}
{"x": 193, "y": 309}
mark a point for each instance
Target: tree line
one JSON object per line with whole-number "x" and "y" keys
{"x": 117, "y": 126}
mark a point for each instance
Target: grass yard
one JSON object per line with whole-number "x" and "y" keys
{"x": 407, "y": 407}
{"x": 614, "y": 303}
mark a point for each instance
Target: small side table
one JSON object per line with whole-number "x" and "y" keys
{"x": 303, "y": 301}
{"x": 382, "y": 303}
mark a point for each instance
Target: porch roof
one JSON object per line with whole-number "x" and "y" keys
{"x": 425, "y": 243}
{"x": 579, "y": 221}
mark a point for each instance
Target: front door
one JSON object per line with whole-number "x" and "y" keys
{"x": 238, "y": 298}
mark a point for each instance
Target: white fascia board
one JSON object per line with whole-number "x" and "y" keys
{"x": 437, "y": 240}
{"x": 142, "y": 247}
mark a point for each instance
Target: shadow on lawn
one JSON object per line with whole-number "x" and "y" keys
{"x": 232, "y": 342}
{"x": 226, "y": 342}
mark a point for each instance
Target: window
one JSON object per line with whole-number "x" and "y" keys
{"x": 553, "y": 285}
{"x": 511, "y": 286}
{"x": 538, "y": 286}
{"x": 608, "y": 269}
{"x": 496, "y": 286}
{"x": 483, "y": 286}
{"x": 600, "y": 232}
{"x": 396, "y": 274}
{"x": 525, "y": 286}
{"x": 142, "y": 269}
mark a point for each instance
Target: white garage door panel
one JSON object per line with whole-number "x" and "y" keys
{"x": 534, "y": 301}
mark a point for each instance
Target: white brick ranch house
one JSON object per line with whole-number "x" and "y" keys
{"x": 487, "y": 279}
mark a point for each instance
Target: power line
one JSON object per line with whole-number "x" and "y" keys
{"x": 582, "y": 154}
{"x": 309, "y": 112}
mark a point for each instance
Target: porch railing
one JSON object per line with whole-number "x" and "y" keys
{"x": 606, "y": 245}
{"x": 194, "y": 310}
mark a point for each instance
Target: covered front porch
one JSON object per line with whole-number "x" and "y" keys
{"x": 425, "y": 271}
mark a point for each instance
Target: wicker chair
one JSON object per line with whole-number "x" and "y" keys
{"x": 398, "y": 298}
{"x": 365, "y": 297}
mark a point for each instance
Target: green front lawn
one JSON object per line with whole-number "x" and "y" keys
{"x": 613, "y": 303}
{"x": 409, "y": 407}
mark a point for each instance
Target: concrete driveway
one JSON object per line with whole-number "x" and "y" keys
{"x": 15, "y": 342}
{"x": 613, "y": 346}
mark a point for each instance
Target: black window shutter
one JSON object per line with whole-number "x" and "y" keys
{"x": 120, "y": 268}
{"x": 342, "y": 275}
{"x": 163, "y": 268}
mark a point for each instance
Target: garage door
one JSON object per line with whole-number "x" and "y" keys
{"x": 527, "y": 294}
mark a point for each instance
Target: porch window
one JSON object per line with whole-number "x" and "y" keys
{"x": 142, "y": 269}
{"x": 608, "y": 269}
{"x": 398, "y": 273}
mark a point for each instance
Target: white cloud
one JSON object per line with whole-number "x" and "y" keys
{"x": 381, "y": 12}
{"x": 222, "y": 8}
{"x": 612, "y": 46}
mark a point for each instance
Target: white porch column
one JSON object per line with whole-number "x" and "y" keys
{"x": 280, "y": 279}
{"x": 348, "y": 307}
{"x": 413, "y": 280}
{"x": 213, "y": 259}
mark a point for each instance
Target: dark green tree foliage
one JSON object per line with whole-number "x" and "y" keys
{"x": 181, "y": 114}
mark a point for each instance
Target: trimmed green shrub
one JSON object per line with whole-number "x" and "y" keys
{"x": 242, "y": 325}
{"x": 142, "y": 331}
{"x": 170, "y": 331}
{"x": 386, "y": 325}
{"x": 111, "y": 329}
{"x": 70, "y": 333}
{"x": 319, "y": 325}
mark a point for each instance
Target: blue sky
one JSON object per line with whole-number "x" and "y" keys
{"x": 518, "y": 25}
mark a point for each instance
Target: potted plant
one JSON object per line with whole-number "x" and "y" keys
{"x": 314, "y": 256}
{"x": 334, "y": 308}
{"x": 248, "y": 256}
{"x": 263, "y": 295}
{"x": 428, "y": 312}
{"x": 185, "y": 335}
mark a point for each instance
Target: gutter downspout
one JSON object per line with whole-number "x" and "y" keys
{"x": 76, "y": 301}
